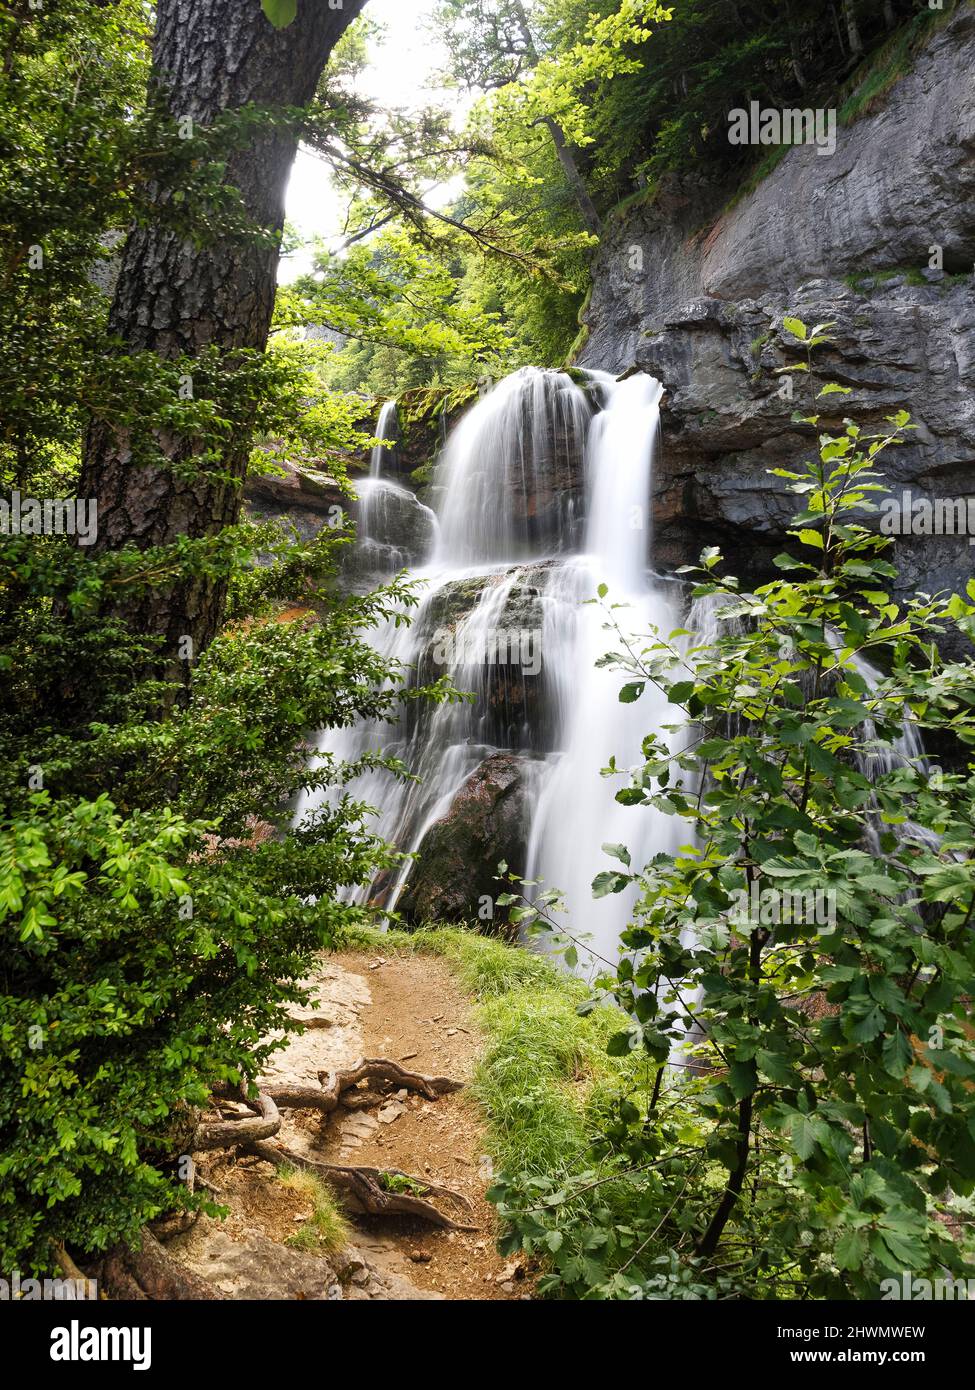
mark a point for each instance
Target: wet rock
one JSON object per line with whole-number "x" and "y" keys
{"x": 487, "y": 630}
{"x": 292, "y": 488}
{"x": 394, "y": 530}
{"x": 457, "y": 865}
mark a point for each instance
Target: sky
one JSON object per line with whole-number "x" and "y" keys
{"x": 401, "y": 73}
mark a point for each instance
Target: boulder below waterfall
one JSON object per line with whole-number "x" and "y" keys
{"x": 458, "y": 859}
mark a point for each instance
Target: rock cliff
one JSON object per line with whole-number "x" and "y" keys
{"x": 697, "y": 296}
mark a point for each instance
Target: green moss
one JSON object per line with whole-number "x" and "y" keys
{"x": 582, "y": 337}
{"x": 888, "y": 64}
{"x": 642, "y": 197}
{"x": 865, "y": 281}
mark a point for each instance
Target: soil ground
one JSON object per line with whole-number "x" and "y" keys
{"x": 411, "y": 1010}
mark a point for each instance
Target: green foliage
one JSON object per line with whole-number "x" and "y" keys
{"x": 402, "y": 310}
{"x": 800, "y": 972}
{"x": 669, "y": 116}
{"x": 280, "y": 13}
{"x": 157, "y": 910}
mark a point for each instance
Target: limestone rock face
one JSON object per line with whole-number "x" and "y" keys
{"x": 303, "y": 488}
{"x": 458, "y": 858}
{"x": 843, "y": 238}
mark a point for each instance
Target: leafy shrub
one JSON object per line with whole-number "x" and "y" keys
{"x": 811, "y": 1131}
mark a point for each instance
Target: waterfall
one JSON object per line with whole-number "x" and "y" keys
{"x": 544, "y": 490}
{"x": 506, "y": 471}
{"x": 374, "y": 492}
{"x": 387, "y": 436}
{"x": 577, "y": 811}
{"x": 387, "y": 511}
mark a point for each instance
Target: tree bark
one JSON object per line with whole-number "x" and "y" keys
{"x": 173, "y": 297}
{"x": 576, "y": 182}
{"x": 852, "y": 29}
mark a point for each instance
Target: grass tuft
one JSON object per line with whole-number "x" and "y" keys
{"x": 327, "y": 1230}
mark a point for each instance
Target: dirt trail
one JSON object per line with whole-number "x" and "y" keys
{"x": 412, "y": 1010}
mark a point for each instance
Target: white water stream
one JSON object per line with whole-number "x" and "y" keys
{"x": 545, "y": 491}
{"x": 521, "y": 546}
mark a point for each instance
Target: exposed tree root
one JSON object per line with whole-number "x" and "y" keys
{"x": 362, "y": 1185}
{"x": 149, "y": 1271}
{"x": 226, "y": 1134}
{"x": 365, "y": 1187}
{"x": 335, "y": 1084}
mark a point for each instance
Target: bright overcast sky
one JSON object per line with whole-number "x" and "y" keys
{"x": 403, "y": 61}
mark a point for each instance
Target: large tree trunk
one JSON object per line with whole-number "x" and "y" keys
{"x": 173, "y": 298}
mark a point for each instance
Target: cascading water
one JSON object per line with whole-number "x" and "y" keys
{"x": 577, "y": 811}
{"x": 387, "y": 435}
{"x": 383, "y": 504}
{"x": 545, "y": 490}
{"x": 544, "y": 497}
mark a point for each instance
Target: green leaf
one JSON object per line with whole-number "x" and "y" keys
{"x": 806, "y": 1132}
{"x": 851, "y": 1249}
{"x": 609, "y": 882}
{"x": 742, "y": 1078}
{"x": 680, "y": 692}
{"x": 789, "y": 562}
{"x": 868, "y": 1028}
{"x": 280, "y": 13}
{"x": 619, "y": 852}
{"x": 897, "y": 1054}
{"x": 813, "y": 538}
{"x": 794, "y": 326}
{"x": 632, "y": 692}
{"x": 774, "y": 1066}
{"x": 620, "y": 1044}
